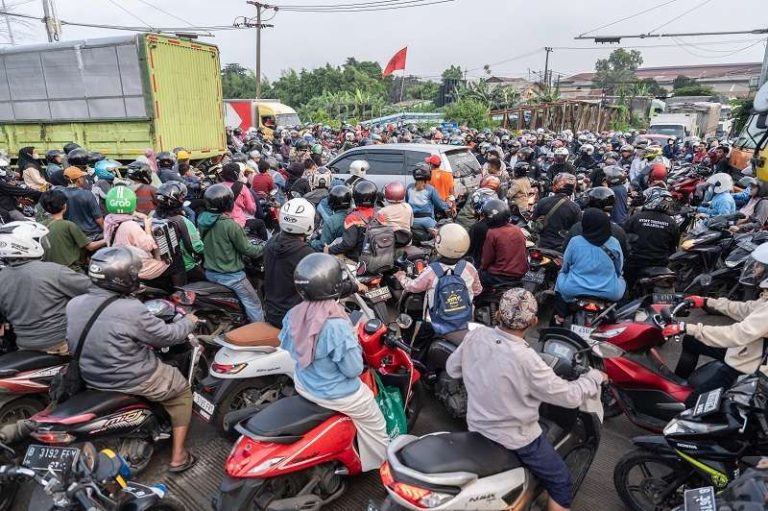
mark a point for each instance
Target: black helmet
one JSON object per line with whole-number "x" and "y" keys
{"x": 525, "y": 154}
{"x": 339, "y": 198}
{"x": 139, "y": 172}
{"x": 497, "y": 212}
{"x": 166, "y": 159}
{"x": 614, "y": 175}
{"x": 78, "y": 157}
{"x": 522, "y": 168}
{"x": 52, "y": 154}
{"x": 318, "y": 277}
{"x": 601, "y": 197}
{"x": 364, "y": 192}
{"x": 94, "y": 158}
{"x": 302, "y": 145}
{"x": 422, "y": 173}
{"x": 68, "y": 148}
{"x": 115, "y": 269}
{"x": 171, "y": 194}
{"x": 239, "y": 158}
{"x": 219, "y": 199}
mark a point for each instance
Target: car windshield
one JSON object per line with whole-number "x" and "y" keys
{"x": 463, "y": 163}
{"x": 750, "y": 134}
{"x": 661, "y": 129}
{"x": 288, "y": 120}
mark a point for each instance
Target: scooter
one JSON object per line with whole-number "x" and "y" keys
{"x": 295, "y": 454}
{"x": 25, "y": 377}
{"x": 465, "y": 470}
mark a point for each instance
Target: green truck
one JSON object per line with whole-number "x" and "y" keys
{"x": 118, "y": 96}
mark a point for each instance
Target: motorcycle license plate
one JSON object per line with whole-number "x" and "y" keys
{"x": 45, "y": 457}
{"x": 700, "y": 499}
{"x": 708, "y": 402}
{"x": 380, "y": 294}
{"x": 535, "y": 277}
{"x": 202, "y": 406}
{"x": 584, "y": 332}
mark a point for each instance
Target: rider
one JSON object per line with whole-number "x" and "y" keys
{"x": 560, "y": 220}
{"x": 170, "y": 206}
{"x": 489, "y": 189}
{"x": 126, "y": 335}
{"x": 357, "y": 170}
{"x": 54, "y": 160}
{"x": 722, "y": 202}
{"x": 520, "y": 187}
{"x": 33, "y": 293}
{"x": 65, "y": 240}
{"x": 82, "y": 206}
{"x": 507, "y": 381}
{"x": 140, "y": 181}
{"x": 328, "y": 357}
{"x": 424, "y": 199}
{"x": 397, "y": 212}
{"x": 364, "y": 195}
{"x": 166, "y": 163}
{"x": 586, "y": 157}
{"x": 504, "y": 258}
{"x": 442, "y": 180}
{"x": 602, "y": 198}
{"x": 339, "y": 201}
{"x": 561, "y": 163}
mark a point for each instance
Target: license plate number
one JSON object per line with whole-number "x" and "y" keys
{"x": 44, "y": 458}
{"x": 700, "y": 499}
{"x": 203, "y": 406}
{"x": 380, "y": 294}
{"x": 535, "y": 277}
{"x": 708, "y": 402}
{"x": 583, "y": 331}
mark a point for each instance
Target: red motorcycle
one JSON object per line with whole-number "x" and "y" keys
{"x": 688, "y": 189}
{"x": 294, "y": 454}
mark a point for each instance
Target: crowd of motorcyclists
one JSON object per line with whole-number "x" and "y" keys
{"x": 81, "y": 235}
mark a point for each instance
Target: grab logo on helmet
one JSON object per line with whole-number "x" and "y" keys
{"x": 120, "y": 199}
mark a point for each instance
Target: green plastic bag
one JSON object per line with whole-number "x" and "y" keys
{"x": 391, "y": 405}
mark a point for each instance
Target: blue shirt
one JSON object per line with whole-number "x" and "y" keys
{"x": 721, "y": 204}
{"x": 620, "y": 211}
{"x": 83, "y": 209}
{"x": 589, "y": 271}
{"x": 335, "y": 371}
{"x": 423, "y": 202}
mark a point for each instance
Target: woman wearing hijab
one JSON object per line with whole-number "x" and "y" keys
{"x": 29, "y": 165}
{"x": 328, "y": 358}
{"x": 592, "y": 264}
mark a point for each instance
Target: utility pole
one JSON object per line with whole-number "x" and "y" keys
{"x": 52, "y": 25}
{"x": 260, "y": 7}
{"x": 8, "y": 24}
{"x": 546, "y": 84}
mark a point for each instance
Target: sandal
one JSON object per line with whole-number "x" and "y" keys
{"x": 178, "y": 469}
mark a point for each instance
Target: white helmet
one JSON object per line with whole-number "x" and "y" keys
{"x": 321, "y": 178}
{"x": 721, "y": 182}
{"x": 359, "y": 168}
{"x": 755, "y": 271}
{"x": 587, "y": 148}
{"x": 452, "y": 241}
{"x": 561, "y": 151}
{"x": 297, "y": 216}
{"x": 349, "y": 136}
{"x": 22, "y": 240}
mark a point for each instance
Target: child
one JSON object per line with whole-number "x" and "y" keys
{"x": 65, "y": 239}
{"x": 507, "y": 381}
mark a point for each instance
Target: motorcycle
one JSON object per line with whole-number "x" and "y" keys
{"x": 79, "y": 478}
{"x": 467, "y": 471}
{"x": 545, "y": 265}
{"x": 216, "y": 305}
{"x": 267, "y": 467}
{"x": 25, "y": 377}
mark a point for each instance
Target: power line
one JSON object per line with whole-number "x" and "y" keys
{"x": 627, "y": 17}
{"x": 522, "y": 56}
{"x": 407, "y": 4}
{"x": 734, "y": 52}
{"x": 166, "y": 12}
{"x": 339, "y": 6}
{"x": 695, "y": 7}
{"x": 128, "y": 12}
{"x": 640, "y": 46}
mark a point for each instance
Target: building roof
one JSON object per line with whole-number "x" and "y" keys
{"x": 669, "y": 73}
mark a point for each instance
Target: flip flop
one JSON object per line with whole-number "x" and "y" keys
{"x": 191, "y": 460}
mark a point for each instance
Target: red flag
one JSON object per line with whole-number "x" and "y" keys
{"x": 396, "y": 63}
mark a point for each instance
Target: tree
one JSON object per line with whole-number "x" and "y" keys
{"x": 453, "y": 73}
{"x": 649, "y": 87}
{"x": 684, "y": 86}
{"x": 499, "y": 97}
{"x": 238, "y": 82}
{"x": 616, "y": 74}
{"x": 469, "y": 112}
{"x": 682, "y": 81}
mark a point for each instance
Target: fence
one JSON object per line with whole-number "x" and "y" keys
{"x": 573, "y": 115}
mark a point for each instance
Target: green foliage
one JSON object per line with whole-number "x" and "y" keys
{"x": 649, "y": 87}
{"x": 494, "y": 97}
{"x": 238, "y": 82}
{"x": 740, "y": 113}
{"x": 683, "y": 81}
{"x": 470, "y": 112}
{"x": 616, "y": 74}
{"x": 694, "y": 90}
{"x": 453, "y": 73}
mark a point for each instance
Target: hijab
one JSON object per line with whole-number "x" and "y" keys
{"x": 595, "y": 226}
{"x": 306, "y": 320}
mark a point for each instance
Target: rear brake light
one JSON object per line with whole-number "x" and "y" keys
{"x": 591, "y": 307}
{"x": 52, "y": 437}
{"x": 412, "y": 494}
{"x": 227, "y": 368}
{"x": 386, "y": 474}
{"x": 535, "y": 254}
{"x": 183, "y": 297}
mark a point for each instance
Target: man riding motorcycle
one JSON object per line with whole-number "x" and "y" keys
{"x": 558, "y": 213}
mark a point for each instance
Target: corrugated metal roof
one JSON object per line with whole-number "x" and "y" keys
{"x": 695, "y": 71}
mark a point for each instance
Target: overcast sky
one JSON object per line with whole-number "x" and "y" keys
{"x": 507, "y": 34}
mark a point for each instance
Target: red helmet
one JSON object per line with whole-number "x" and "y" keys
{"x": 394, "y": 192}
{"x": 658, "y": 172}
{"x": 492, "y": 182}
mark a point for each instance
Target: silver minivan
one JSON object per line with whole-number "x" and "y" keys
{"x": 391, "y": 162}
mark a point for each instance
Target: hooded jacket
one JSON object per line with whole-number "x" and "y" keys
{"x": 225, "y": 243}
{"x": 281, "y": 255}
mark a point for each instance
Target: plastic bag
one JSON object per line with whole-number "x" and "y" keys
{"x": 390, "y": 403}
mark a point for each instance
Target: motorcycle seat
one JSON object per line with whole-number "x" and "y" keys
{"x": 207, "y": 288}
{"x": 25, "y": 360}
{"x": 415, "y": 253}
{"x": 656, "y": 271}
{"x": 458, "y": 452}
{"x": 286, "y": 420}
{"x": 86, "y": 406}
{"x": 254, "y": 334}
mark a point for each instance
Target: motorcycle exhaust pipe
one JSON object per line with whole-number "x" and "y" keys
{"x": 15, "y": 432}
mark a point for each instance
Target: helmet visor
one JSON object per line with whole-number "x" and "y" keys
{"x": 754, "y": 274}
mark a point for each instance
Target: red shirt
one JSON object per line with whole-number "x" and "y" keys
{"x": 504, "y": 252}
{"x": 262, "y": 183}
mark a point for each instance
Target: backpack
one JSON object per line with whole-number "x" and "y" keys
{"x": 378, "y": 252}
{"x": 452, "y": 306}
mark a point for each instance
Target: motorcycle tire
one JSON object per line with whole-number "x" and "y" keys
{"x": 8, "y": 490}
{"x": 167, "y": 504}
{"x": 640, "y": 457}
{"x": 22, "y": 408}
{"x": 231, "y": 399}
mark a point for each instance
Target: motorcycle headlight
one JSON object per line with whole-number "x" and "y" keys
{"x": 686, "y": 427}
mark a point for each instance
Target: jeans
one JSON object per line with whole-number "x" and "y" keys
{"x": 425, "y": 222}
{"x": 242, "y": 287}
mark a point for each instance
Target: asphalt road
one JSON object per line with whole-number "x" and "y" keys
{"x": 196, "y": 487}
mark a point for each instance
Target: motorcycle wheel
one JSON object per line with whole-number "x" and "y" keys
{"x": 8, "y": 492}
{"x": 19, "y": 409}
{"x": 643, "y": 493}
{"x": 243, "y": 395}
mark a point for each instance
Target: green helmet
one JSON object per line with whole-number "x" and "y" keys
{"x": 121, "y": 200}
{"x": 317, "y": 149}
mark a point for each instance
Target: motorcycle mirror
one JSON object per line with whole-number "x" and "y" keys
{"x": 607, "y": 350}
{"x": 404, "y": 321}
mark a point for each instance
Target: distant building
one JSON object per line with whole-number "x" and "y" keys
{"x": 730, "y": 80}
{"x": 521, "y": 85}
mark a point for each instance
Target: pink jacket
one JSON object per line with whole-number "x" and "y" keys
{"x": 244, "y": 205}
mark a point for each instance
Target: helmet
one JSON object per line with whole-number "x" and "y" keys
{"x": 115, "y": 269}
{"x": 359, "y": 168}
{"x": 52, "y": 155}
{"x": 394, "y": 192}
{"x": 321, "y": 178}
{"x": 452, "y": 241}
{"x": 561, "y": 153}
{"x": 587, "y": 148}
{"x": 658, "y": 199}
{"x": 525, "y": 154}
{"x": 94, "y": 158}
{"x": 139, "y": 172}
{"x": 120, "y": 200}
{"x": 720, "y": 182}
{"x": 364, "y": 193}
{"x": 626, "y": 148}
{"x": 219, "y": 199}
{"x": 78, "y": 157}
{"x": 68, "y": 148}
{"x": 22, "y": 240}
{"x": 172, "y": 194}
{"x": 302, "y": 145}
{"x": 318, "y": 277}
{"x": 297, "y": 216}
{"x": 615, "y": 175}
{"x": 652, "y": 152}
{"x": 601, "y": 197}
{"x": 349, "y": 137}
{"x": 659, "y": 173}
{"x": 522, "y": 168}
{"x": 747, "y": 181}
{"x": 166, "y": 159}
{"x": 480, "y": 197}
{"x": 340, "y": 197}
{"x": 514, "y": 146}
{"x": 564, "y": 183}
{"x": 497, "y": 212}
{"x": 105, "y": 169}
{"x": 491, "y": 182}
{"x": 755, "y": 272}
{"x": 422, "y": 172}
{"x": 317, "y": 149}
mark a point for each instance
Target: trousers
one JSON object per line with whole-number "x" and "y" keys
{"x": 242, "y": 287}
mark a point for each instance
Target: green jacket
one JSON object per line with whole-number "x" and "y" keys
{"x": 332, "y": 228}
{"x": 197, "y": 246}
{"x": 225, "y": 243}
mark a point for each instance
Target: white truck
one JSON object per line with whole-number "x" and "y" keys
{"x": 684, "y": 120}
